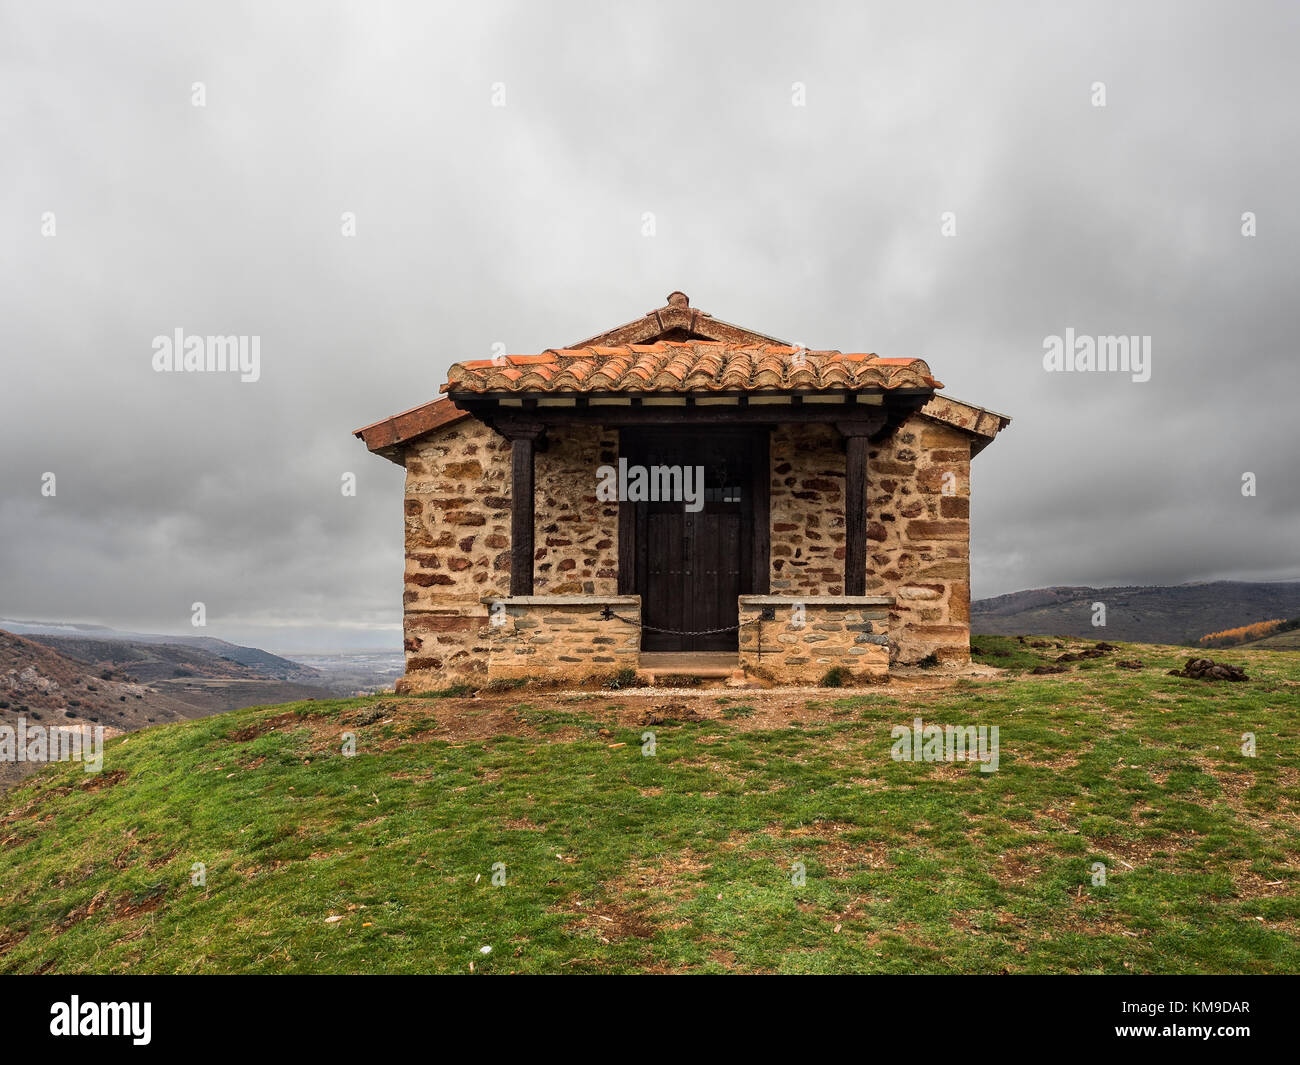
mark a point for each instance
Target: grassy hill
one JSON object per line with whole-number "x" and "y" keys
{"x": 1282, "y": 641}
{"x": 1155, "y": 614}
{"x": 618, "y": 862}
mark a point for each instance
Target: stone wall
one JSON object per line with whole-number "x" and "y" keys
{"x": 540, "y": 637}
{"x": 576, "y": 536}
{"x": 918, "y": 538}
{"x": 806, "y": 502}
{"x": 457, "y": 551}
{"x": 809, "y": 636}
{"x": 458, "y": 539}
{"x": 458, "y": 534}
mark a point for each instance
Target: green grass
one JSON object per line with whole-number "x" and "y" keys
{"x": 618, "y": 862}
{"x": 731, "y": 712}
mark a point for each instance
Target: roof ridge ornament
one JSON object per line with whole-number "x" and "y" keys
{"x": 677, "y": 320}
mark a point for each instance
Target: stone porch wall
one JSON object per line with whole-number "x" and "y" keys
{"x": 457, "y": 508}
{"x": 575, "y": 535}
{"x": 806, "y": 501}
{"x": 918, "y": 528}
{"x": 918, "y": 538}
{"x": 809, "y": 636}
{"x": 546, "y": 637}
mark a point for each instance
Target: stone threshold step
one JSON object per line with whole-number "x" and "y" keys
{"x": 704, "y": 666}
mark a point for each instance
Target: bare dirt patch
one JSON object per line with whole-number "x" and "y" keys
{"x": 129, "y": 906}
{"x": 1249, "y": 884}
{"x": 662, "y": 882}
{"x": 842, "y": 857}
{"x": 1093, "y": 923}
{"x": 103, "y": 780}
{"x": 609, "y": 923}
{"x": 80, "y": 913}
{"x": 1133, "y": 853}
{"x": 489, "y": 714}
{"x": 267, "y": 724}
{"x": 1067, "y": 760}
{"x": 522, "y": 824}
{"x": 1020, "y": 866}
{"x": 815, "y": 829}
{"x": 394, "y": 722}
{"x": 460, "y": 720}
{"x": 10, "y": 938}
{"x": 126, "y": 906}
{"x": 31, "y": 809}
{"x": 665, "y": 713}
{"x": 162, "y": 859}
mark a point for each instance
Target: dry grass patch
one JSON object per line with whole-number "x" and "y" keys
{"x": 522, "y": 824}
{"x": 841, "y": 857}
{"x": 608, "y": 923}
{"x": 661, "y": 884}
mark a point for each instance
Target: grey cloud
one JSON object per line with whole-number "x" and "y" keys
{"x": 523, "y": 225}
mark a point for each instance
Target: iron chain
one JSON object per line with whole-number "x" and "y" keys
{"x": 675, "y": 632}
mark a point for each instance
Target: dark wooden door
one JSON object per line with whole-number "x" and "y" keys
{"x": 689, "y": 565}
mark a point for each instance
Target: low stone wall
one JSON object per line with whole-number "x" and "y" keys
{"x": 808, "y": 636}
{"x": 561, "y": 637}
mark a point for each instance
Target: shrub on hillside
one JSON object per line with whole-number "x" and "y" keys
{"x": 1246, "y": 633}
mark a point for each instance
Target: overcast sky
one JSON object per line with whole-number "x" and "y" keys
{"x": 523, "y": 224}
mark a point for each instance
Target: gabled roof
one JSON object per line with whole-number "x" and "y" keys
{"x": 679, "y": 348}
{"x": 687, "y": 366}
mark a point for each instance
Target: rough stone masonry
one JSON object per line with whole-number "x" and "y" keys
{"x": 458, "y": 527}
{"x": 512, "y": 455}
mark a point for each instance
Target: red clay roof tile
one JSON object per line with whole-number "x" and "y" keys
{"x": 712, "y": 356}
{"x": 687, "y": 366}
{"x": 383, "y": 437}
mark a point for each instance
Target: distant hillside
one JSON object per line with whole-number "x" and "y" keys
{"x": 159, "y": 657}
{"x": 79, "y": 636}
{"x": 167, "y": 661}
{"x": 1279, "y": 641}
{"x": 61, "y": 680}
{"x": 42, "y": 684}
{"x": 1151, "y": 614}
{"x": 47, "y": 688}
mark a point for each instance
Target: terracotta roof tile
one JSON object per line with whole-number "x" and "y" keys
{"x": 677, "y": 348}
{"x": 687, "y": 366}
{"x": 386, "y": 436}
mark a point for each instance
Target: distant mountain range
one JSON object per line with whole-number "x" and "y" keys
{"x": 74, "y": 638}
{"x": 123, "y": 686}
{"x": 157, "y": 656}
{"x": 52, "y": 673}
{"x": 1178, "y": 614}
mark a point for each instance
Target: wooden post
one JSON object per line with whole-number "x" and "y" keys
{"x": 760, "y": 488}
{"x": 523, "y": 451}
